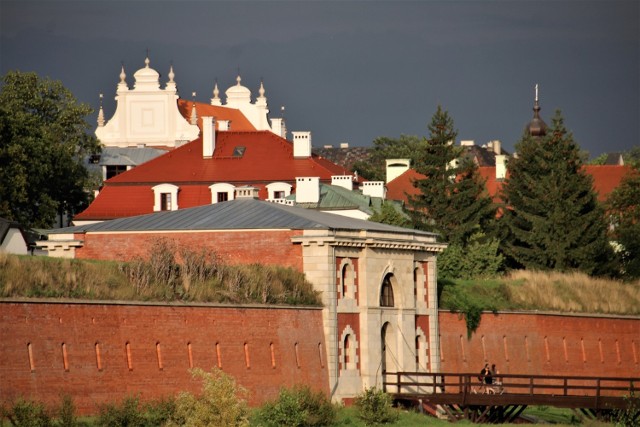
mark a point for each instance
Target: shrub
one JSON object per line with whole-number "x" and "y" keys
{"x": 298, "y": 406}
{"x": 67, "y": 413}
{"x": 220, "y": 404}
{"x": 160, "y": 412}
{"x": 125, "y": 414}
{"x": 629, "y": 415}
{"x": 27, "y": 413}
{"x": 375, "y": 407}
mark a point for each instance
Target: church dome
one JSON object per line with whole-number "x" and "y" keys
{"x": 238, "y": 94}
{"x": 147, "y": 77}
{"x": 537, "y": 126}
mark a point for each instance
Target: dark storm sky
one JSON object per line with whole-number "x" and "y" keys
{"x": 350, "y": 71}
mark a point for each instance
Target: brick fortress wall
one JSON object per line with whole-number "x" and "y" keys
{"x": 99, "y": 352}
{"x": 542, "y": 344}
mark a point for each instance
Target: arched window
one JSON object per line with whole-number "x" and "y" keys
{"x": 349, "y": 352}
{"x": 165, "y": 197}
{"x": 386, "y": 294}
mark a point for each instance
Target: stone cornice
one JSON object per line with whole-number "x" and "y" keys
{"x": 406, "y": 243}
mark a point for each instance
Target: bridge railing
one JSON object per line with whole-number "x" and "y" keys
{"x": 418, "y": 383}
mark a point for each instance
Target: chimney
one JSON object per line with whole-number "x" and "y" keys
{"x": 246, "y": 192}
{"x": 396, "y": 167}
{"x": 495, "y": 145}
{"x": 301, "y": 144}
{"x": 501, "y": 167}
{"x": 208, "y": 137}
{"x": 374, "y": 189}
{"x": 344, "y": 181}
{"x": 308, "y": 190}
{"x": 223, "y": 125}
{"x": 278, "y": 127}
{"x": 467, "y": 143}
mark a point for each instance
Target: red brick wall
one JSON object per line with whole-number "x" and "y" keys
{"x": 247, "y": 246}
{"x": 352, "y": 320}
{"x": 544, "y": 344}
{"x": 422, "y": 321}
{"x": 45, "y": 327}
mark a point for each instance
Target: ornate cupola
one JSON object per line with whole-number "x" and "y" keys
{"x": 537, "y": 127}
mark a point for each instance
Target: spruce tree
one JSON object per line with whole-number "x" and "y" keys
{"x": 453, "y": 200}
{"x": 552, "y": 217}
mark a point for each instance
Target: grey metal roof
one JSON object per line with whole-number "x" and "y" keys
{"x": 128, "y": 156}
{"x": 239, "y": 214}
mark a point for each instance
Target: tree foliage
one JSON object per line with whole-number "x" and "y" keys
{"x": 453, "y": 200}
{"x": 43, "y": 141}
{"x": 623, "y": 207}
{"x": 479, "y": 259}
{"x": 552, "y": 218}
{"x": 391, "y": 214}
{"x": 384, "y": 148}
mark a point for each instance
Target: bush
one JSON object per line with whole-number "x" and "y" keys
{"x": 27, "y": 413}
{"x": 220, "y": 404}
{"x": 298, "y": 406}
{"x": 375, "y": 407}
{"x": 67, "y": 413}
{"x": 125, "y": 414}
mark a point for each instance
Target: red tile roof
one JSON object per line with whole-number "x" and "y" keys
{"x": 402, "y": 186}
{"x": 267, "y": 158}
{"x": 605, "y": 180}
{"x": 238, "y": 121}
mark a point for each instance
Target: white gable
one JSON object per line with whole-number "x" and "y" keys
{"x": 147, "y": 114}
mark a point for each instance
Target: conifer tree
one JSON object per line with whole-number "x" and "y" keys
{"x": 552, "y": 217}
{"x": 453, "y": 200}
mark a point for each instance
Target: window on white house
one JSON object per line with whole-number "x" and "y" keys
{"x": 165, "y": 201}
{"x": 223, "y": 197}
{"x": 165, "y": 197}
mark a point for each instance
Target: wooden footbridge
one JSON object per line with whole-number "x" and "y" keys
{"x": 463, "y": 396}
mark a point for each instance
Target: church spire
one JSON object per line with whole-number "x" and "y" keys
{"x": 100, "y": 114}
{"x": 194, "y": 115}
{"x": 537, "y": 127}
{"x": 122, "y": 84}
{"x": 216, "y": 92}
{"x": 171, "y": 84}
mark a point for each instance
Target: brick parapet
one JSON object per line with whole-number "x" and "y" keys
{"x": 101, "y": 352}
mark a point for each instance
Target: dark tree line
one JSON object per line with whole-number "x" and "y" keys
{"x": 548, "y": 217}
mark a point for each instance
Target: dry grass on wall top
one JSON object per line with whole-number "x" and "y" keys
{"x": 170, "y": 273}
{"x": 572, "y": 292}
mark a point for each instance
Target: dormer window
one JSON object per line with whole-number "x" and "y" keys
{"x": 165, "y": 197}
{"x": 278, "y": 190}
{"x": 222, "y": 192}
{"x": 165, "y": 201}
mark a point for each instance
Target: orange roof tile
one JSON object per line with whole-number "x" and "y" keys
{"x": 402, "y": 186}
{"x": 267, "y": 158}
{"x": 238, "y": 121}
{"x": 605, "y": 179}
